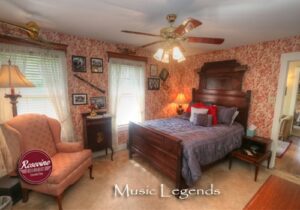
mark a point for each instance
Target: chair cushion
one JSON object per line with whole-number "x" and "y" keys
{"x": 63, "y": 164}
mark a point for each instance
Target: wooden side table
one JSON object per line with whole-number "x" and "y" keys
{"x": 259, "y": 150}
{"x": 98, "y": 134}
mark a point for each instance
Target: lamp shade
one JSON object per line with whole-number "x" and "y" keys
{"x": 159, "y": 54}
{"x": 180, "y": 99}
{"x": 11, "y": 77}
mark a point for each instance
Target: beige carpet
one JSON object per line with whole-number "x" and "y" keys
{"x": 237, "y": 186}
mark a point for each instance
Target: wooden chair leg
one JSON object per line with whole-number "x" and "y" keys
{"x": 91, "y": 172}
{"x": 256, "y": 172}
{"x": 24, "y": 195}
{"x": 59, "y": 201}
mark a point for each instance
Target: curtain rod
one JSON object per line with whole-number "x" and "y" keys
{"x": 8, "y": 39}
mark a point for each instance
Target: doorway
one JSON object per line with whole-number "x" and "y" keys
{"x": 286, "y": 109}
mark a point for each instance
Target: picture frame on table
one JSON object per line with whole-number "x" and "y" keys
{"x": 79, "y": 99}
{"x": 98, "y": 102}
{"x": 78, "y": 63}
{"x": 153, "y": 83}
{"x": 96, "y": 65}
{"x": 153, "y": 70}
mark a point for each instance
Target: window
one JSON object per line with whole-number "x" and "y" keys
{"x": 126, "y": 90}
{"x": 46, "y": 69}
{"x": 37, "y": 99}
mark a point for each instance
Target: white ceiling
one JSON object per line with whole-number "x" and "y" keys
{"x": 240, "y": 22}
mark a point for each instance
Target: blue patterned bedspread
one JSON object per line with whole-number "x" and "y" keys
{"x": 201, "y": 145}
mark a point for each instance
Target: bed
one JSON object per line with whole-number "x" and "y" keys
{"x": 178, "y": 149}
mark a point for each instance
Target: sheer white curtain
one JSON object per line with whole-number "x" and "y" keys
{"x": 126, "y": 92}
{"x": 47, "y": 70}
{"x": 5, "y": 114}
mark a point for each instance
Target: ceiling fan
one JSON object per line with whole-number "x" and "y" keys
{"x": 173, "y": 36}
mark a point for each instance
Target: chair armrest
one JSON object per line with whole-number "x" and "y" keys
{"x": 69, "y": 147}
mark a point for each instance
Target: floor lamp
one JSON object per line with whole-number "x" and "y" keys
{"x": 11, "y": 77}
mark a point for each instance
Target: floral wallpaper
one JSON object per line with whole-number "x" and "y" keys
{"x": 157, "y": 102}
{"x": 263, "y": 60}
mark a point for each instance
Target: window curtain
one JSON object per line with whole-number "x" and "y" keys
{"x": 126, "y": 92}
{"x": 53, "y": 74}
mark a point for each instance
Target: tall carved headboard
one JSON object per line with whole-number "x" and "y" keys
{"x": 221, "y": 84}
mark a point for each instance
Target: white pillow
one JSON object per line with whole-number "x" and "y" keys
{"x": 234, "y": 116}
{"x": 197, "y": 111}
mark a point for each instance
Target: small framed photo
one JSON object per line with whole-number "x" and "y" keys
{"x": 153, "y": 83}
{"x": 97, "y": 65}
{"x": 153, "y": 70}
{"x": 79, "y": 98}
{"x": 164, "y": 74}
{"x": 98, "y": 102}
{"x": 78, "y": 63}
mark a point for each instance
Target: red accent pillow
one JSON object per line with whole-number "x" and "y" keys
{"x": 212, "y": 110}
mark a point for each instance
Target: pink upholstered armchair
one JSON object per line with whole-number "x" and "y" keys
{"x": 69, "y": 160}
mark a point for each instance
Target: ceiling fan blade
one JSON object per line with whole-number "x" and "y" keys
{"x": 187, "y": 26}
{"x": 139, "y": 33}
{"x": 206, "y": 40}
{"x": 152, "y": 43}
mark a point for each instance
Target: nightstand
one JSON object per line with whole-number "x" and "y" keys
{"x": 254, "y": 150}
{"x": 98, "y": 133}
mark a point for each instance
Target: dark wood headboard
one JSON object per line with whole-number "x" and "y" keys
{"x": 221, "y": 84}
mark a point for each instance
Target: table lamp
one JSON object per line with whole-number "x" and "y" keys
{"x": 180, "y": 100}
{"x": 11, "y": 77}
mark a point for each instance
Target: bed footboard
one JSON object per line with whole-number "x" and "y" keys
{"x": 163, "y": 151}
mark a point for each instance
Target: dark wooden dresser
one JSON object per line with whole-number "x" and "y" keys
{"x": 98, "y": 133}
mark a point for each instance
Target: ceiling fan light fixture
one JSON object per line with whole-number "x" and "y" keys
{"x": 159, "y": 54}
{"x": 166, "y": 57}
{"x": 177, "y": 54}
{"x": 181, "y": 59}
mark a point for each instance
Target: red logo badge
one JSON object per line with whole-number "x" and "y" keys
{"x": 35, "y": 167}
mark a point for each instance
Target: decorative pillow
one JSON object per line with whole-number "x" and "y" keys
{"x": 197, "y": 111}
{"x": 196, "y": 105}
{"x": 234, "y": 116}
{"x": 202, "y": 120}
{"x": 213, "y": 110}
{"x": 225, "y": 114}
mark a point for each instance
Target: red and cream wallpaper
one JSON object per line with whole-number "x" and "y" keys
{"x": 263, "y": 60}
{"x": 158, "y": 103}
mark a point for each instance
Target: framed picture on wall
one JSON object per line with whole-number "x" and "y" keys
{"x": 97, "y": 65}
{"x": 153, "y": 70}
{"x": 98, "y": 102}
{"x": 164, "y": 74}
{"x": 78, "y": 63}
{"x": 153, "y": 83}
{"x": 79, "y": 98}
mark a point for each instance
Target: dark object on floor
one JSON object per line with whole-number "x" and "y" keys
{"x": 254, "y": 150}
{"x": 276, "y": 193}
{"x": 11, "y": 186}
